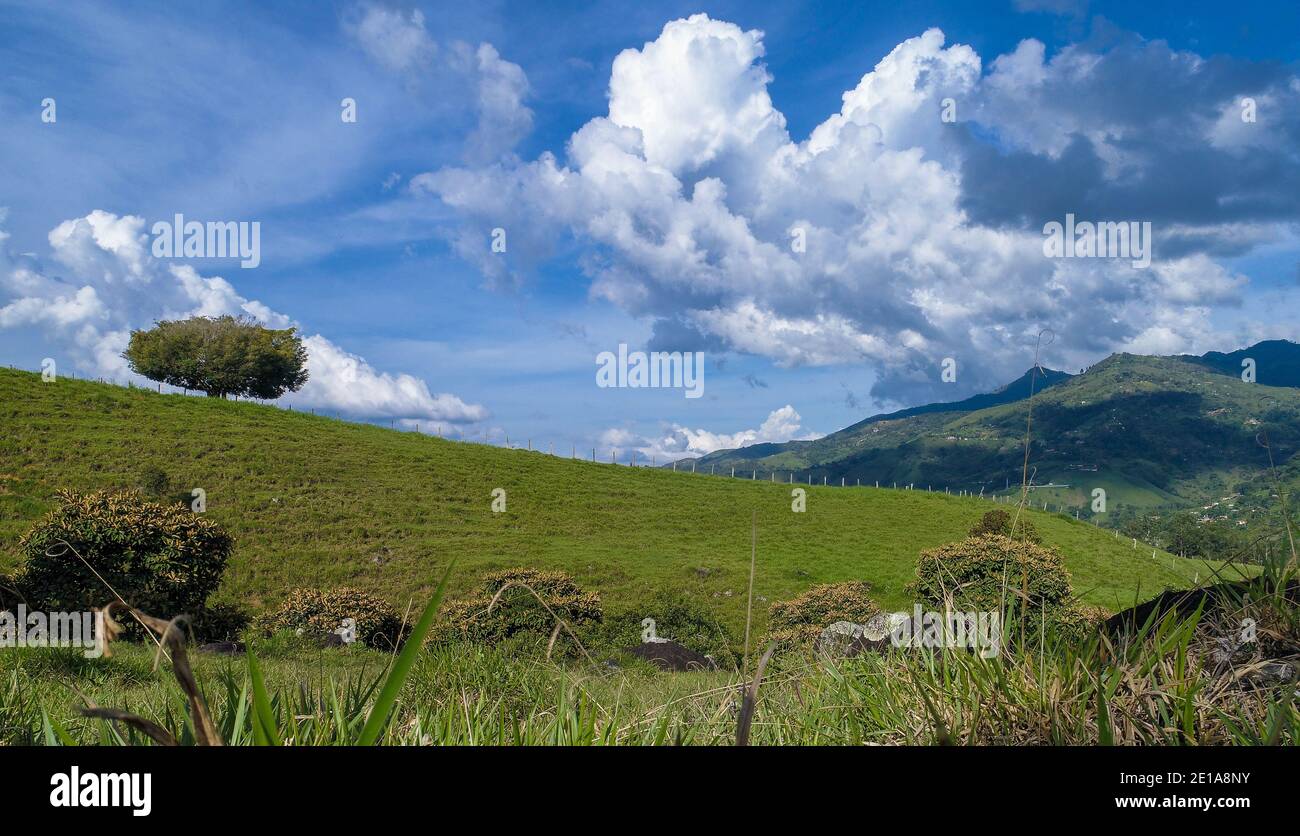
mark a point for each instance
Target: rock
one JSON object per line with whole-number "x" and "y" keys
{"x": 1228, "y": 650}
{"x": 671, "y": 656}
{"x": 845, "y": 639}
{"x": 1209, "y": 599}
{"x": 226, "y": 648}
{"x": 1272, "y": 673}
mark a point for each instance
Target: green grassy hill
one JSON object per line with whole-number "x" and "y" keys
{"x": 317, "y": 501}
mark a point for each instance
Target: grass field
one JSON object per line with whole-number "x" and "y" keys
{"x": 1150, "y": 689}
{"x": 322, "y": 502}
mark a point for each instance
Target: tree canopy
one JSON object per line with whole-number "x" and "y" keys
{"x": 222, "y": 356}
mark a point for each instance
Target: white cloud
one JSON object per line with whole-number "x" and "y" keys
{"x": 401, "y": 44}
{"x": 695, "y": 93}
{"x": 392, "y": 39}
{"x": 688, "y": 193}
{"x": 501, "y": 87}
{"x": 678, "y": 441}
{"x": 348, "y": 383}
{"x": 114, "y": 285}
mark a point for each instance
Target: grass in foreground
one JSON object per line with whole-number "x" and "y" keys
{"x": 1161, "y": 685}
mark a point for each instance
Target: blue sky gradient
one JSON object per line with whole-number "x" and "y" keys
{"x": 230, "y": 111}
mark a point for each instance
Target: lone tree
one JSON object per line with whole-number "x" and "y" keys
{"x": 222, "y": 356}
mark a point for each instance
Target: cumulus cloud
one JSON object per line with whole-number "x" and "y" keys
{"x": 500, "y": 87}
{"x": 918, "y": 239}
{"x": 678, "y": 441}
{"x": 392, "y": 39}
{"x": 401, "y": 44}
{"x": 105, "y": 282}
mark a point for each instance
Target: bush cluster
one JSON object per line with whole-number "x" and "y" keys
{"x": 997, "y": 573}
{"x": 219, "y": 623}
{"x": 320, "y": 612}
{"x": 163, "y": 559}
{"x": 799, "y": 621}
{"x": 518, "y": 611}
{"x": 678, "y": 616}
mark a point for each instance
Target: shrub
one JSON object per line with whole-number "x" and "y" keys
{"x": 678, "y": 616}
{"x": 1001, "y": 522}
{"x": 997, "y": 573}
{"x": 162, "y": 559}
{"x": 799, "y": 621}
{"x": 320, "y": 612}
{"x": 219, "y": 622}
{"x": 10, "y": 597}
{"x": 517, "y": 610}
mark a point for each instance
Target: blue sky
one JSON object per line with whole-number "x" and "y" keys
{"x": 650, "y": 201}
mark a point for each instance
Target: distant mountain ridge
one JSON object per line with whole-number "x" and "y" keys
{"x": 1018, "y": 389}
{"x": 1154, "y": 432}
{"x": 1277, "y": 362}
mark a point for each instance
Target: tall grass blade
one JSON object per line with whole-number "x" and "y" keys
{"x": 402, "y": 666}
{"x": 265, "y": 732}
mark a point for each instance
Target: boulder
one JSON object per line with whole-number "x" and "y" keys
{"x": 671, "y": 656}
{"x": 845, "y": 639}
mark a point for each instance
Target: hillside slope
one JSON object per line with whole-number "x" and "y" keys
{"x": 317, "y": 501}
{"x": 1151, "y": 431}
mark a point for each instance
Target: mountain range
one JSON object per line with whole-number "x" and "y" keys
{"x": 1152, "y": 432}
